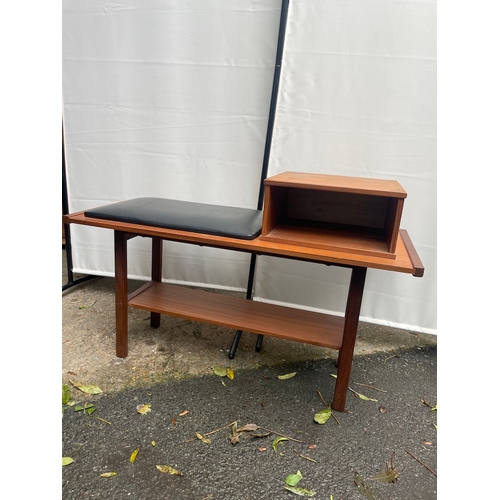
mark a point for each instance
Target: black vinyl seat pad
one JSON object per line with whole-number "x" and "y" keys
{"x": 218, "y": 220}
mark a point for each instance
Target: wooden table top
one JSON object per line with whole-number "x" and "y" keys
{"x": 405, "y": 260}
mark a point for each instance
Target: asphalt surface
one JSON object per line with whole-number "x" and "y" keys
{"x": 337, "y": 459}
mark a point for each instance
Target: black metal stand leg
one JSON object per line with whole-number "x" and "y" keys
{"x": 236, "y": 340}
{"x": 67, "y": 233}
{"x": 234, "y": 345}
{"x": 251, "y": 274}
{"x": 260, "y": 341}
{"x": 69, "y": 263}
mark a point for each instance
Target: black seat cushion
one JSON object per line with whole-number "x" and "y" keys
{"x": 235, "y": 222}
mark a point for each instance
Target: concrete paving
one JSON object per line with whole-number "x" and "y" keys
{"x": 171, "y": 369}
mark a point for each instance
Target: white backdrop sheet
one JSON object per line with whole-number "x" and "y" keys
{"x": 171, "y": 99}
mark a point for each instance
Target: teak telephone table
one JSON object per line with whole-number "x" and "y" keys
{"x": 343, "y": 221}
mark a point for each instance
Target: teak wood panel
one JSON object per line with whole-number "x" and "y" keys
{"x": 404, "y": 261}
{"x": 296, "y": 206}
{"x": 394, "y": 214}
{"x": 349, "y": 209}
{"x": 340, "y": 183}
{"x": 241, "y": 314}
{"x": 368, "y": 209}
{"x": 373, "y": 245}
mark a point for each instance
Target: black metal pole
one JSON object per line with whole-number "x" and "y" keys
{"x": 67, "y": 233}
{"x": 265, "y": 162}
{"x": 274, "y": 99}
{"x": 237, "y": 336}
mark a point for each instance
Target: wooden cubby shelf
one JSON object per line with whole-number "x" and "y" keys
{"x": 333, "y": 212}
{"x": 235, "y": 312}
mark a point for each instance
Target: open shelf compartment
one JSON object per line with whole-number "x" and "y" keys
{"x": 352, "y": 214}
{"x": 234, "y": 312}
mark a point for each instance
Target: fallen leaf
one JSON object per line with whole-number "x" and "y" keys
{"x": 142, "y": 409}
{"x": 261, "y": 434}
{"x": 235, "y": 438}
{"x": 287, "y": 376}
{"x": 235, "y": 435}
{"x": 86, "y": 408}
{"x": 305, "y": 457}
{"x": 87, "y": 389}
{"x": 133, "y": 456}
{"x": 293, "y": 479}
{"x": 153, "y": 443}
{"x": 66, "y": 394}
{"x": 103, "y": 420}
{"x": 236, "y": 432}
{"x": 300, "y": 491}
{"x": 386, "y": 476}
{"x": 364, "y": 489}
{"x": 357, "y": 394}
{"x": 166, "y": 469}
{"x": 219, "y": 371}
{"x": 433, "y": 408}
{"x": 230, "y": 374}
{"x": 108, "y": 474}
{"x": 279, "y": 440}
{"x": 67, "y": 461}
{"x": 247, "y": 427}
{"x": 203, "y": 438}
{"x": 323, "y": 416}
{"x": 363, "y": 397}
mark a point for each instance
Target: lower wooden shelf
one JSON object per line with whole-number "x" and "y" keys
{"x": 234, "y": 312}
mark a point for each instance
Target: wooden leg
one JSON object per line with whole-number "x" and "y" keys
{"x": 351, "y": 321}
{"x": 156, "y": 272}
{"x": 121, "y": 293}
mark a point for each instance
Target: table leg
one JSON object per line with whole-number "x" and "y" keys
{"x": 351, "y": 321}
{"x": 121, "y": 294}
{"x": 156, "y": 272}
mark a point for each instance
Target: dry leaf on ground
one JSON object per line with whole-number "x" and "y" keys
{"x": 166, "y": 469}
{"x": 86, "y": 388}
{"x": 142, "y": 409}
